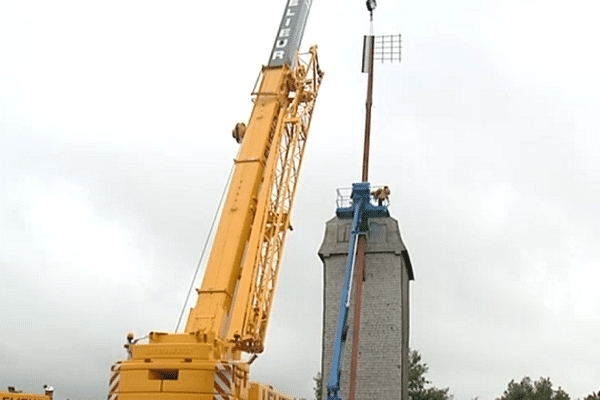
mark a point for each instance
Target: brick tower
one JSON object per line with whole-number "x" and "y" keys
{"x": 384, "y": 324}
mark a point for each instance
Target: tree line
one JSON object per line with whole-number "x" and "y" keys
{"x": 419, "y": 388}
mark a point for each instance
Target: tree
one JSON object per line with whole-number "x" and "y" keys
{"x": 593, "y": 396}
{"x": 416, "y": 372}
{"x": 417, "y": 381}
{"x": 528, "y": 390}
{"x": 318, "y": 388}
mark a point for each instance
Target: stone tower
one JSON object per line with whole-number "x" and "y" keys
{"x": 383, "y": 351}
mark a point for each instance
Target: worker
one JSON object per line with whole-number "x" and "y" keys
{"x": 130, "y": 342}
{"x": 49, "y": 391}
{"x": 381, "y": 194}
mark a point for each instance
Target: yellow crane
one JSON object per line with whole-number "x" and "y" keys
{"x": 235, "y": 298}
{"x": 14, "y": 394}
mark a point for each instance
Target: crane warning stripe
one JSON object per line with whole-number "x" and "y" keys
{"x": 113, "y": 385}
{"x": 223, "y": 381}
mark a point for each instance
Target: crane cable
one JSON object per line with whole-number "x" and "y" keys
{"x": 208, "y": 237}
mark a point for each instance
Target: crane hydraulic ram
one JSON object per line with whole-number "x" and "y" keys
{"x": 235, "y": 298}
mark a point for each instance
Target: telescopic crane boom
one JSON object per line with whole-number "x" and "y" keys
{"x": 235, "y": 299}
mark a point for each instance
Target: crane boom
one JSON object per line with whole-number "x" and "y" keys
{"x": 235, "y": 298}
{"x": 272, "y": 221}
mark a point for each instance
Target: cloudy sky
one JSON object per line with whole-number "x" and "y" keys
{"x": 115, "y": 121}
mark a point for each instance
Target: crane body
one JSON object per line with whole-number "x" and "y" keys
{"x": 11, "y": 395}
{"x": 234, "y": 303}
{"x": 14, "y": 394}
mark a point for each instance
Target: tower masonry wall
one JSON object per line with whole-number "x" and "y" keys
{"x": 383, "y": 351}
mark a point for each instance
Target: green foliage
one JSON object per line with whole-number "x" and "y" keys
{"x": 593, "y": 396}
{"x": 417, "y": 381}
{"x": 416, "y": 372}
{"x": 318, "y": 388}
{"x": 528, "y": 390}
{"x": 432, "y": 394}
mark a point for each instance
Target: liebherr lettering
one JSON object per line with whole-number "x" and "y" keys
{"x": 294, "y": 18}
{"x": 284, "y": 32}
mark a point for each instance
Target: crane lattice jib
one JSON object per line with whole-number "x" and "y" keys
{"x": 250, "y": 315}
{"x": 235, "y": 299}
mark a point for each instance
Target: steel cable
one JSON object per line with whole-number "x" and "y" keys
{"x": 208, "y": 238}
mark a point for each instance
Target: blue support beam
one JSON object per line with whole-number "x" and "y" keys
{"x": 360, "y": 210}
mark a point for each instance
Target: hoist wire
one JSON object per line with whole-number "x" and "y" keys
{"x": 208, "y": 238}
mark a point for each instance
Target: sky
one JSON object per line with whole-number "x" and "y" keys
{"x": 115, "y": 121}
